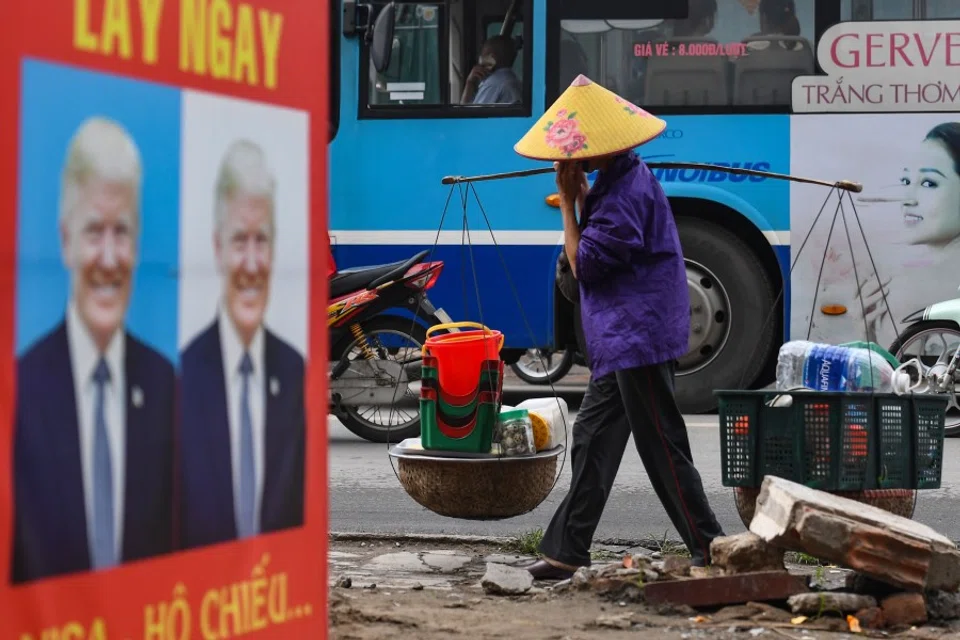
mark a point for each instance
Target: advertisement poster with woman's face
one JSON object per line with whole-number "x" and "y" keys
{"x": 908, "y": 212}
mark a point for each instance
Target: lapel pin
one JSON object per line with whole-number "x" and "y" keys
{"x": 274, "y": 387}
{"x": 136, "y": 396}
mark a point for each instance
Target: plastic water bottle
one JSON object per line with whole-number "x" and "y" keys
{"x": 824, "y": 367}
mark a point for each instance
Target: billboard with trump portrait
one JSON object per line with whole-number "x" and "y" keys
{"x": 165, "y": 206}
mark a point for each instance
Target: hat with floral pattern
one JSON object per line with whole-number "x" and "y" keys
{"x": 588, "y": 121}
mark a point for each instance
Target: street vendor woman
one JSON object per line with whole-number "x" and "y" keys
{"x": 626, "y": 257}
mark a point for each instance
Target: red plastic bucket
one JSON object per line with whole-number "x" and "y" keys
{"x": 460, "y": 356}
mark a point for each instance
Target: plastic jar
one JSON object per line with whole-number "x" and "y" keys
{"x": 514, "y": 433}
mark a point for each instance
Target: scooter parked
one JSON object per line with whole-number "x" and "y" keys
{"x": 929, "y": 347}
{"x": 375, "y": 357}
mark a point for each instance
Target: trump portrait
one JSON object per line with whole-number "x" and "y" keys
{"x": 93, "y": 433}
{"x": 242, "y": 440}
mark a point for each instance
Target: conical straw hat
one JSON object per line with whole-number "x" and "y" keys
{"x": 588, "y": 121}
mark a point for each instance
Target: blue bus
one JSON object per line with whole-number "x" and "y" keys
{"x": 728, "y": 94}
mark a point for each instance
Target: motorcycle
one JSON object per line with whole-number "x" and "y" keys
{"x": 929, "y": 349}
{"x": 375, "y": 357}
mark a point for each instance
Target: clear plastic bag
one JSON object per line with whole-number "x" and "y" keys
{"x": 555, "y": 416}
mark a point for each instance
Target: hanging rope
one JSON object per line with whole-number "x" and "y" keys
{"x": 842, "y": 191}
{"x": 467, "y": 247}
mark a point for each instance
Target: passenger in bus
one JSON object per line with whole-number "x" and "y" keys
{"x": 492, "y": 80}
{"x": 625, "y": 253}
{"x": 241, "y": 444}
{"x": 777, "y": 18}
{"x": 94, "y": 418}
{"x": 700, "y": 20}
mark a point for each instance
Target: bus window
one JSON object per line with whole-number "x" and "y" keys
{"x": 450, "y": 57}
{"x": 941, "y": 9}
{"x": 414, "y": 73}
{"x": 725, "y": 53}
{"x": 899, "y": 9}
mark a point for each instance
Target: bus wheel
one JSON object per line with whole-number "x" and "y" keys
{"x": 731, "y": 297}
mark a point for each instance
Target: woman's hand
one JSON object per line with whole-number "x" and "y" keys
{"x": 572, "y": 183}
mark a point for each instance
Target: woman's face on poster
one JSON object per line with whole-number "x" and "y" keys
{"x": 931, "y": 208}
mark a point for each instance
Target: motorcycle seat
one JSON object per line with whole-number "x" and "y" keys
{"x": 350, "y": 280}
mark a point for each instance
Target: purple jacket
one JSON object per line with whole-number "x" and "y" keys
{"x": 633, "y": 286}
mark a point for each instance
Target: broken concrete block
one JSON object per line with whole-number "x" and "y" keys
{"x": 561, "y": 586}
{"x": 705, "y": 572}
{"x": 582, "y": 578}
{"x": 745, "y": 552}
{"x": 605, "y": 570}
{"x": 721, "y": 590}
{"x": 621, "y": 621}
{"x": 942, "y": 605}
{"x": 825, "y": 602}
{"x": 904, "y": 609}
{"x": 677, "y": 566}
{"x": 502, "y": 580}
{"x": 619, "y": 589}
{"x": 635, "y": 561}
{"x": 872, "y": 541}
{"x": 752, "y": 611}
{"x": 871, "y": 618}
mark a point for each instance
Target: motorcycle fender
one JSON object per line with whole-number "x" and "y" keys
{"x": 947, "y": 310}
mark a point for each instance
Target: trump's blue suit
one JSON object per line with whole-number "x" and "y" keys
{"x": 206, "y": 481}
{"x": 50, "y": 530}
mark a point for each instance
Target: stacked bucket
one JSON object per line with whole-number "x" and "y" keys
{"x": 462, "y": 385}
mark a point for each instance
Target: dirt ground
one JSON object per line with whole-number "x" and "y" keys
{"x": 369, "y": 614}
{"x": 389, "y": 598}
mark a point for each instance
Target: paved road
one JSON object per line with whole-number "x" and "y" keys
{"x": 366, "y": 496}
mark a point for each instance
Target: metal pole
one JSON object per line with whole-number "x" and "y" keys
{"x": 845, "y": 185}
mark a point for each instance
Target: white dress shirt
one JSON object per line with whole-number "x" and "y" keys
{"x": 84, "y": 356}
{"x": 232, "y": 351}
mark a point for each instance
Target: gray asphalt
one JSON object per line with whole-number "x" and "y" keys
{"x": 366, "y": 496}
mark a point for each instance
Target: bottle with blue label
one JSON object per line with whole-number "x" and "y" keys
{"x": 824, "y": 367}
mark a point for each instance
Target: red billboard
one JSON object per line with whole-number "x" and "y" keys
{"x": 163, "y": 350}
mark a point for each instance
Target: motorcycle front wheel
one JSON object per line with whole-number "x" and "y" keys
{"x": 394, "y": 340}
{"x": 928, "y": 341}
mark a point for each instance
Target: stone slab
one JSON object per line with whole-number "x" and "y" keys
{"x": 896, "y": 550}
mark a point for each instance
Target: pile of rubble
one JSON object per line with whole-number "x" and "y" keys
{"x": 904, "y": 574}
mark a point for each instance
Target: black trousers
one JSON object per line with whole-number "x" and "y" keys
{"x": 641, "y": 401}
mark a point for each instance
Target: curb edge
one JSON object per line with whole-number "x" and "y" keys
{"x": 441, "y": 538}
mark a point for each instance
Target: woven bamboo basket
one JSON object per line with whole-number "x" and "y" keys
{"x": 479, "y": 489}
